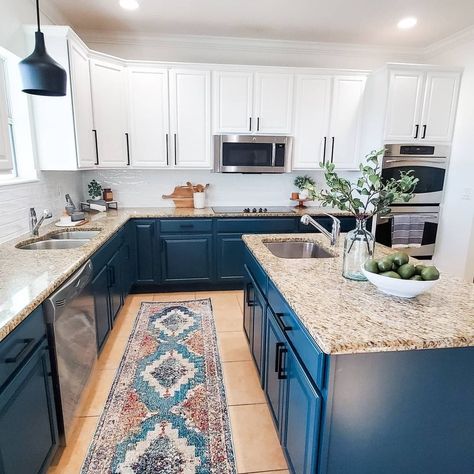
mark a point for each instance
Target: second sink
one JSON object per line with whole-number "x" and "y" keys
{"x": 297, "y": 249}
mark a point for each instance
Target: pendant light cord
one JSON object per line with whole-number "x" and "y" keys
{"x": 38, "y": 15}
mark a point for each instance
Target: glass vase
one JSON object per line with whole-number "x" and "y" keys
{"x": 358, "y": 247}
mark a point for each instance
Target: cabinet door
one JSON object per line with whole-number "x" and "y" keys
{"x": 190, "y": 118}
{"x": 232, "y": 92}
{"x": 346, "y": 111}
{"x": 146, "y": 255}
{"x": 115, "y": 287}
{"x": 258, "y": 331}
{"x": 312, "y": 107}
{"x": 230, "y": 257}
{"x": 273, "y": 103}
{"x": 439, "y": 106}
{"x": 275, "y": 348}
{"x": 404, "y": 105}
{"x": 100, "y": 288}
{"x": 82, "y": 105}
{"x": 109, "y": 105}
{"x": 249, "y": 303}
{"x": 302, "y": 408}
{"x": 148, "y": 117}
{"x": 28, "y": 429}
{"x": 186, "y": 258}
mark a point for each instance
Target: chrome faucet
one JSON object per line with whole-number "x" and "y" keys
{"x": 35, "y": 224}
{"x": 333, "y": 236}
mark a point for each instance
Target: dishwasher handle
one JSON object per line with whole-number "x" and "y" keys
{"x": 68, "y": 291}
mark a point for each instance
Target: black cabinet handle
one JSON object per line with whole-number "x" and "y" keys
{"x": 332, "y": 149}
{"x": 278, "y": 346}
{"x": 27, "y": 345}
{"x": 424, "y": 131}
{"x": 281, "y": 350}
{"x": 96, "y": 148}
{"x": 258, "y": 124}
{"x": 175, "y": 141}
{"x": 111, "y": 276}
{"x": 279, "y": 318}
{"x": 247, "y": 296}
{"x": 167, "y": 151}
{"x": 250, "y": 124}
{"x": 417, "y": 129}
{"x": 324, "y": 151}
{"x": 128, "y": 149}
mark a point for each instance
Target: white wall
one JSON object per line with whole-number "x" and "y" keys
{"x": 44, "y": 193}
{"x": 455, "y": 249}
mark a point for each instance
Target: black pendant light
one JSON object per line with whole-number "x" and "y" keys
{"x": 41, "y": 74}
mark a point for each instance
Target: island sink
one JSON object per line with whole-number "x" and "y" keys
{"x": 297, "y": 249}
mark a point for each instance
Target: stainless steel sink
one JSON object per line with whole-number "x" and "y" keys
{"x": 55, "y": 244}
{"x": 295, "y": 249}
{"x": 76, "y": 234}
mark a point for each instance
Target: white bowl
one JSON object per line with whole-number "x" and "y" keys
{"x": 396, "y": 287}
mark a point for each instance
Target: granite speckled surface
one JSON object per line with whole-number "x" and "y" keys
{"x": 28, "y": 277}
{"x": 346, "y": 317}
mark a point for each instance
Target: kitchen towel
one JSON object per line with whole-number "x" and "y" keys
{"x": 407, "y": 230}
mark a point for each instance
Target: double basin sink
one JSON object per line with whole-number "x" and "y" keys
{"x": 297, "y": 249}
{"x": 61, "y": 240}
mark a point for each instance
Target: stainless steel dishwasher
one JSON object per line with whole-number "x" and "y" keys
{"x": 70, "y": 319}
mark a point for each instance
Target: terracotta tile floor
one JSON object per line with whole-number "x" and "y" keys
{"x": 255, "y": 440}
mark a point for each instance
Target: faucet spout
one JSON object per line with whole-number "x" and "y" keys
{"x": 35, "y": 224}
{"x": 333, "y": 236}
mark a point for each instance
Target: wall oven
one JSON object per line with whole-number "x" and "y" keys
{"x": 252, "y": 154}
{"x": 429, "y": 165}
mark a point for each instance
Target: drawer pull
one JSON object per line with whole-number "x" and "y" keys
{"x": 283, "y": 326}
{"x": 281, "y": 350}
{"x": 27, "y": 345}
{"x": 248, "y": 302}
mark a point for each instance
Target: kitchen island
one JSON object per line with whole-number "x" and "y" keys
{"x": 358, "y": 381}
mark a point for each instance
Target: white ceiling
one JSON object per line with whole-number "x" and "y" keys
{"x": 371, "y": 22}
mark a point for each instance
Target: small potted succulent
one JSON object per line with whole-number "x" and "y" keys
{"x": 368, "y": 196}
{"x": 307, "y": 187}
{"x": 95, "y": 190}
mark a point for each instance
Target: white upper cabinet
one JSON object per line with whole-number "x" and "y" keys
{"x": 327, "y": 121}
{"x": 6, "y": 162}
{"x": 190, "y": 118}
{"x": 312, "y": 109}
{"x": 82, "y": 105}
{"x": 273, "y": 102}
{"x": 148, "y": 117}
{"x": 232, "y": 99}
{"x": 421, "y": 105}
{"x": 247, "y": 102}
{"x": 344, "y": 127}
{"x": 109, "y": 106}
{"x": 439, "y": 106}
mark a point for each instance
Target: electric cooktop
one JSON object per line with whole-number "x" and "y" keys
{"x": 253, "y": 209}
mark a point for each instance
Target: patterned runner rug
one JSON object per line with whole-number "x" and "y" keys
{"x": 166, "y": 412}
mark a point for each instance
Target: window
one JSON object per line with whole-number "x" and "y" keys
{"x": 17, "y": 161}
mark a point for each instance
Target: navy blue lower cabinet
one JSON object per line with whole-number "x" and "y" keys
{"x": 147, "y": 255}
{"x": 275, "y": 354}
{"x": 186, "y": 258}
{"x": 115, "y": 283}
{"x": 301, "y": 416}
{"x": 258, "y": 330}
{"x": 100, "y": 288}
{"x": 249, "y": 302}
{"x": 230, "y": 257}
{"x": 28, "y": 428}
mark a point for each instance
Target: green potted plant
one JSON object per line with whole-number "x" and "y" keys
{"x": 307, "y": 187}
{"x": 95, "y": 190}
{"x": 364, "y": 198}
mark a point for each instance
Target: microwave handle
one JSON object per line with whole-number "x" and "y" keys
{"x": 273, "y": 154}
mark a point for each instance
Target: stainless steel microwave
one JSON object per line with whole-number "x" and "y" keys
{"x": 252, "y": 154}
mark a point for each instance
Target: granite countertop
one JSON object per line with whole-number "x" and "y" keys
{"x": 28, "y": 277}
{"x": 347, "y": 317}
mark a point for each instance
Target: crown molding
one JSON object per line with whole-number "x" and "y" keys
{"x": 51, "y": 13}
{"x": 456, "y": 39}
{"x": 224, "y": 43}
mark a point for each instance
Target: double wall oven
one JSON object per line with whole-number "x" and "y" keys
{"x": 413, "y": 226}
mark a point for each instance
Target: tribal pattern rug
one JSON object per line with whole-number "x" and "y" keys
{"x": 167, "y": 411}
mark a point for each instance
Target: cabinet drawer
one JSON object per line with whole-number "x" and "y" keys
{"x": 186, "y": 225}
{"x": 256, "y": 271}
{"x": 260, "y": 225}
{"x": 309, "y": 353}
{"x": 19, "y": 344}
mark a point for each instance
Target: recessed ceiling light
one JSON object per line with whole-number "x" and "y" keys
{"x": 129, "y": 4}
{"x": 406, "y": 23}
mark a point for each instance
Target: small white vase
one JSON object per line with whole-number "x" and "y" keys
{"x": 304, "y": 194}
{"x": 199, "y": 200}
